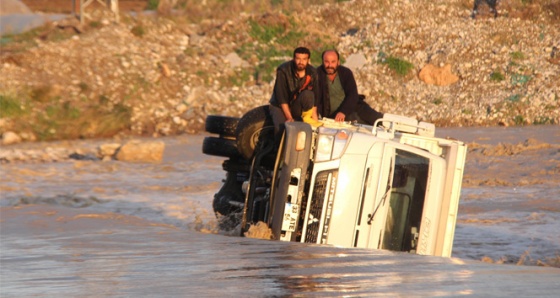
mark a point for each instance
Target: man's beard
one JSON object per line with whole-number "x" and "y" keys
{"x": 331, "y": 70}
{"x": 300, "y": 66}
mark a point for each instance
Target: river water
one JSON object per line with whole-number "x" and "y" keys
{"x": 91, "y": 229}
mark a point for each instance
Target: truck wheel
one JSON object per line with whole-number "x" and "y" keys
{"x": 254, "y": 126}
{"x": 222, "y": 125}
{"x": 220, "y": 147}
{"x": 236, "y": 165}
{"x": 221, "y": 204}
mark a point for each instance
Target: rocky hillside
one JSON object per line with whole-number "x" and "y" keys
{"x": 161, "y": 74}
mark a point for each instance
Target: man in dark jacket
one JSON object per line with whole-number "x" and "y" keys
{"x": 295, "y": 91}
{"x": 338, "y": 93}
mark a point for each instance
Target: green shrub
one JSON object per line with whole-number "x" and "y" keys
{"x": 10, "y": 107}
{"x": 517, "y": 56}
{"x": 284, "y": 33}
{"x": 268, "y": 59}
{"x": 203, "y": 75}
{"x": 4, "y": 40}
{"x": 519, "y": 120}
{"x": 520, "y": 79}
{"x": 381, "y": 56}
{"x": 41, "y": 93}
{"x": 400, "y": 66}
{"x": 138, "y": 31}
{"x": 264, "y": 34}
{"x": 543, "y": 120}
{"x": 514, "y": 98}
{"x": 267, "y": 68}
{"x": 83, "y": 86}
{"x": 273, "y": 39}
{"x": 109, "y": 124}
{"x": 62, "y": 113}
{"x": 103, "y": 99}
{"x": 58, "y": 122}
{"x": 238, "y": 78}
{"x": 497, "y": 76}
{"x": 152, "y": 4}
{"x": 95, "y": 24}
{"x": 65, "y": 121}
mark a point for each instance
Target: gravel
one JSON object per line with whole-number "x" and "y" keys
{"x": 176, "y": 73}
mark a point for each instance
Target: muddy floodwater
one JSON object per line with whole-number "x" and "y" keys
{"x": 81, "y": 228}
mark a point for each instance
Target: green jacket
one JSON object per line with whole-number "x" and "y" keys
{"x": 350, "y": 87}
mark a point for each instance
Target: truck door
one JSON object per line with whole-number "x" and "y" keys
{"x": 399, "y": 216}
{"x": 406, "y": 201}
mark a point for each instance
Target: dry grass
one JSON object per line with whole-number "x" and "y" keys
{"x": 42, "y": 112}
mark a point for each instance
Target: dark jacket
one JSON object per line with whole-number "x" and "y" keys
{"x": 348, "y": 105}
{"x": 287, "y": 84}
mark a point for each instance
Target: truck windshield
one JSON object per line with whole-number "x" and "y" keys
{"x": 406, "y": 201}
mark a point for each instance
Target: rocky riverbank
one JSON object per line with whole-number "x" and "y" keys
{"x": 135, "y": 150}
{"x": 161, "y": 75}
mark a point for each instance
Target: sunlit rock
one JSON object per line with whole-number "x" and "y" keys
{"x": 137, "y": 151}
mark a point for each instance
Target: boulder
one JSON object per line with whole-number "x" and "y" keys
{"x": 166, "y": 6}
{"x": 439, "y": 76}
{"x": 107, "y": 150}
{"x": 10, "y": 137}
{"x": 234, "y": 60}
{"x": 13, "y": 7}
{"x": 137, "y": 151}
{"x": 355, "y": 61}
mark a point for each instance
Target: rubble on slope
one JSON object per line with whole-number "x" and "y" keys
{"x": 171, "y": 74}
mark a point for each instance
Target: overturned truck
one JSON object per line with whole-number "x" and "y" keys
{"x": 392, "y": 186}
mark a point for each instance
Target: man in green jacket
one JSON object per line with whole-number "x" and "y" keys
{"x": 295, "y": 91}
{"x": 338, "y": 93}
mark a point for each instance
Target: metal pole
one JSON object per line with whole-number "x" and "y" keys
{"x": 115, "y": 9}
{"x": 81, "y": 12}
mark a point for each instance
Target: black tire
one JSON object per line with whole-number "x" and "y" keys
{"x": 220, "y": 147}
{"x": 236, "y": 165}
{"x": 254, "y": 126}
{"x": 222, "y": 125}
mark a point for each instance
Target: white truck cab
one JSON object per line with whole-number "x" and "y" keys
{"x": 392, "y": 186}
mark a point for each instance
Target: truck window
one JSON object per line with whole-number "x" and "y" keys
{"x": 406, "y": 201}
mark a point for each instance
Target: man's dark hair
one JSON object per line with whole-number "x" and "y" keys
{"x": 335, "y": 51}
{"x": 302, "y": 50}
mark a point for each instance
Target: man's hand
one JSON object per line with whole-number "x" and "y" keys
{"x": 286, "y": 110}
{"x": 339, "y": 117}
